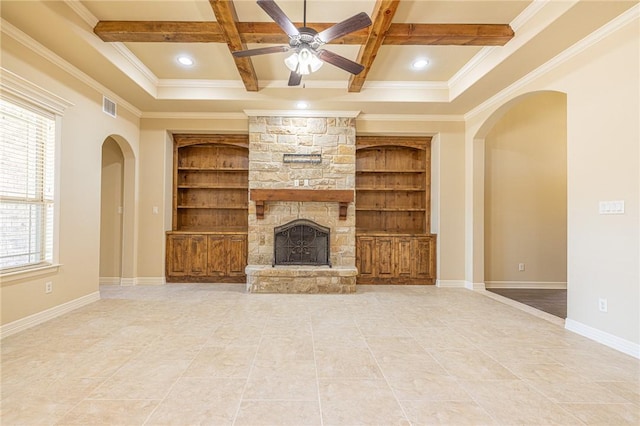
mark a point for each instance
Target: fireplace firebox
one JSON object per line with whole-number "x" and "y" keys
{"x": 301, "y": 242}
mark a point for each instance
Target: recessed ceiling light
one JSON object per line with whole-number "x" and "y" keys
{"x": 419, "y": 64}
{"x": 302, "y": 105}
{"x": 185, "y": 60}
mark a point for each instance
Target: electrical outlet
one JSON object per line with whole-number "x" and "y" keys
{"x": 520, "y": 267}
{"x": 602, "y": 305}
{"x": 48, "y": 287}
{"x": 296, "y": 182}
{"x": 306, "y": 182}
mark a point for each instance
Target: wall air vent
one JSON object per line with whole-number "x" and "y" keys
{"x": 108, "y": 106}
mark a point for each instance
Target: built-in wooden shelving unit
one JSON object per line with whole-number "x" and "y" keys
{"x": 393, "y": 243}
{"x": 208, "y": 241}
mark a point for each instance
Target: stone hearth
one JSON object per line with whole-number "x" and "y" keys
{"x": 333, "y": 140}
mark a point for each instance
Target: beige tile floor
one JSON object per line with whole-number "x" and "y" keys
{"x": 214, "y": 355}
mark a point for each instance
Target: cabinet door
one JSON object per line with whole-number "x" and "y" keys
{"x": 403, "y": 256}
{"x": 365, "y": 249}
{"x": 424, "y": 258}
{"x": 236, "y": 255}
{"x": 384, "y": 258}
{"x": 178, "y": 255}
{"x": 198, "y": 255}
{"x": 217, "y": 262}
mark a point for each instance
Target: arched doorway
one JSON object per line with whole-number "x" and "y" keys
{"x": 117, "y": 262}
{"x": 111, "y": 212}
{"x": 525, "y": 202}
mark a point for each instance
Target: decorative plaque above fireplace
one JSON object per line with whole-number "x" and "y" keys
{"x": 301, "y": 242}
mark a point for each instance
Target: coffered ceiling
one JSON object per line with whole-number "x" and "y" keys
{"x": 131, "y": 48}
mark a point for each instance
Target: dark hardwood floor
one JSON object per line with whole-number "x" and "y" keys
{"x": 553, "y": 302}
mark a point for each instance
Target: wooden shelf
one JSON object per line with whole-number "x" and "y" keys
{"x": 212, "y": 186}
{"x": 403, "y": 189}
{"x": 341, "y": 196}
{"x": 390, "y": 171}
{"x": 389, "y": 209}
{"x": 213, "y": 169}
{"x": 225, "y": 231}
{"x": 217, "y": 207}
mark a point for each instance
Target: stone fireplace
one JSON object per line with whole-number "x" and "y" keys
{"x": 314, "y": 182}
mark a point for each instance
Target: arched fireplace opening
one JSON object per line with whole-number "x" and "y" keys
{"x": 301, "y": 242}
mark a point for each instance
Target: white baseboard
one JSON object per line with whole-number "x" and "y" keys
{"x": 450, "y": 283}
{"x": 545, "y": 285}
{"x": 603, "y": 337}
{"x": 46, "y": 315}
{"x": 127, "y": 282}
{"x": 150, "y": 281}
{"x": 474, "y": 286}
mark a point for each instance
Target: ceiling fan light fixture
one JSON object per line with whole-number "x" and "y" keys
{"x": 303, "y": 62}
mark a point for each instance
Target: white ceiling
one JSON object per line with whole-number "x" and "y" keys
{"x": 147, "y": 77}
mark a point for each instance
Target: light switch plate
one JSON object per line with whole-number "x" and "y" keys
{"x": 611, "y": 207}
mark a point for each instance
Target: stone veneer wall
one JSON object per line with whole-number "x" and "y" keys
{"x": 269, "y": 139}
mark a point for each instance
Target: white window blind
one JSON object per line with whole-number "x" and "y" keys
{"x": 27, "y": 150}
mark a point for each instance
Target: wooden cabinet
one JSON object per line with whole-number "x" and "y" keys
{"x": 206, "y": 257}
{"x": 401, "y": 259}
{"x": 393, "y": 185}
{"x": 208, "y": 241}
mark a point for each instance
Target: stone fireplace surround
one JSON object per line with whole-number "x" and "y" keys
{"x": 270, "y": 137}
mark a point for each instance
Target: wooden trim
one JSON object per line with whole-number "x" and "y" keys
{"x": 341, "y": 196}
{"x": 409, "y": 142}
{"x": 186, "y": 139}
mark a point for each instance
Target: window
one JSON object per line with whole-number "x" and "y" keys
{"x": 27, "y": 151}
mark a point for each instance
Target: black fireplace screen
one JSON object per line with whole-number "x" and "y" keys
{"x": 301, "y": 242}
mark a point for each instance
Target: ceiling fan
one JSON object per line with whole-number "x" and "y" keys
{"x": 308, "y": 57}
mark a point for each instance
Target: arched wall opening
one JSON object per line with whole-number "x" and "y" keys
{"x": 117, "y": 220}
{"x": 518, "y": 194}
{"x": 525, "y": 203}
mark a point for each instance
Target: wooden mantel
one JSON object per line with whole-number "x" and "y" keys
{"x": 341, "y": 196}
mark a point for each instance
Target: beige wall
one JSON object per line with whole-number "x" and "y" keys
{"x": 84, "y": 129}
{"x": 603, "y": 163}
{"x": 111, "y": 211}
{"x": 526, "y": 195}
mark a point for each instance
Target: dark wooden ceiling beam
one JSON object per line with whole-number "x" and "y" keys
{"x": 227, "y": 19}
{"x": 268, "y": 32}
{"x": 382, "y": 16}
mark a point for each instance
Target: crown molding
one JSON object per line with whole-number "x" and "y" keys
{"x": 195, "y": 115}
{"x": 298, "y": 113}
{"x": 168, "y": 83}
{"x": 136, "y": 63}
{"x": 527, "y": 25}
{"x": 11, "y": 31}
{"x": 18, "y": 87}
{"x": 82, "y": 12}
{"x": 410, "y": 117}
{"x": 593, "y": 38}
